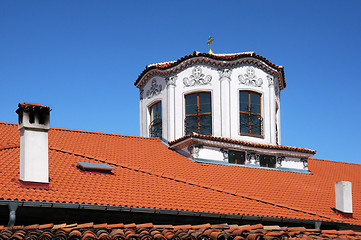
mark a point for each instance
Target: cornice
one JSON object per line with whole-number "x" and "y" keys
{"x": 167, "y": 69}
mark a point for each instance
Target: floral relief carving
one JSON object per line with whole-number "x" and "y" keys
{"x": 194, "y": 150}
{"x": 171, "y": 81}
{"x": 252, "y": 158}
{"x": 305, "y": 163}
{"x": 154, "y": 90}
{"x": 279, "y": 160}
{"x": 197, "y": 78}
{"x": 225, "y": 73}
{"x": 250, "y": 78}
{"x": 225, "y": 154}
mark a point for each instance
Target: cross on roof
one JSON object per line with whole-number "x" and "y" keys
{"x": 209, "y": 42}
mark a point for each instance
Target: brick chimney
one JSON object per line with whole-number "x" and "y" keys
{"x": 343, "y": 194}
{"x": 34, "y": 124}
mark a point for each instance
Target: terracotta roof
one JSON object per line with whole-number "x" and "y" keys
{"x": 228, "y": 60}
{"x": 147, "y": 174}
{"x": 148, "y": 231}
{"x": 243, "y": 143}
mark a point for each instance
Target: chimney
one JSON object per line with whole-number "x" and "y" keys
{"x": 343, "y": 194}
{"x": 34, "y": 124}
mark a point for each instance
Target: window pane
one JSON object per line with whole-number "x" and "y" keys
{"x": 255, "y": 102}
{"x": 256, "y": 124}
{"x": 263, "y": 161}
{"x": 272, "y": 162}
{"x": 159, "y": 108}
{"x": 243, "y": 101}
{"x": 191, "y": 104}
{"x": 244, "y": 123}
{"x": 240, "y": 157}
{"x": 206, "y": 124}
{"x": 155, "y": 127}
{"x": 204, "y": 102}
{"x": 231, "y": 157}
{"x": 191, "y": 124}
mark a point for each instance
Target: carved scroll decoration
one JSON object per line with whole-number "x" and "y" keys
{"x": 154, "y": 90}
{"x": 225, "y": 154}
{"x": 197, "y": 78}
{"x": 250, "y": 78}
{"x": 252, "y": 158}
{"x": 194, "y": 150}
{"x": 279, "y": 160}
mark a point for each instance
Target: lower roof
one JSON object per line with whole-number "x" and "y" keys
{"x": 148, "y": 231}
{"x": 149, "y": 175}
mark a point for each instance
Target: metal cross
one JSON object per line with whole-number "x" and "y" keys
{"x": 209, "y": 42}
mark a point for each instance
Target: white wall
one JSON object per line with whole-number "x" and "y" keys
{"x": 173, "y": 97}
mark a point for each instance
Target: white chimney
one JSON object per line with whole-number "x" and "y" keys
{"x": 343, "y": 193}
{"x": 34, "y": 124}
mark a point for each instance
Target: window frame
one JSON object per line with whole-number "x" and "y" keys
{"x": 236, "y": 160}
{"x": 249, "y": 113}
{"x": 197, "y": 114}
{"x": 156, "y": 122}
{"x": 268, "y": 161}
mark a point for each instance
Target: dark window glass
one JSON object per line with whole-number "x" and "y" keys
{"x": 250, "y": 112}
{"x": 255, "y": 102}
{"x": 262, "y": 161}
{"x": 236, "y": 157}
{"x": 243, "y": 101}
{"x": 155, "y": 128}
{"x": 192, "y": 124}
{"x": 256, "y": 124}
{"x": 204, "y": 102}
{"x": 267, "y": 161}
{"x": 198, "y": 113}
{"x": 231, "y": 157}
{"x": 191, "y": 104}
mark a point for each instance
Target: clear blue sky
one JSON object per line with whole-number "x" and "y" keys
{"x": 82, "y": 57}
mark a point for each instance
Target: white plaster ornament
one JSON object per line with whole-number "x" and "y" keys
{"x": 250, "y": 78}
{"x": 197, "y": 78}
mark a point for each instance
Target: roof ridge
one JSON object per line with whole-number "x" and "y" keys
{"x": 103, "y": 133}
{"x": 333, "y": 161}
{"x": 146, "y": 171}
{"x": 90, "y": 132}
{"x": 7, "y": 123}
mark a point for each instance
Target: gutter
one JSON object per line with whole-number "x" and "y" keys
{"x": 14, "y": 204}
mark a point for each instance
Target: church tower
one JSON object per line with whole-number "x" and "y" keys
{"x": 218, "y": 107}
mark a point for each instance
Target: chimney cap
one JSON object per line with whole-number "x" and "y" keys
{"x": 32, "y": 107}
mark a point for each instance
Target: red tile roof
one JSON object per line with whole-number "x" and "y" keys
{"x": 147, "y": 174}
{"x": 225, "y": 60}
{"x": 150, "y": 231}
{"x": 239, "y": 142}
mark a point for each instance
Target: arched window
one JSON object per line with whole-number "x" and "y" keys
{"x": 155, "y": 128}
{"x": 198, "y": 117}
{"x": 250, "y": 113}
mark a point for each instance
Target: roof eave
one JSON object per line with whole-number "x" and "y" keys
{"x": 223, "y": 58}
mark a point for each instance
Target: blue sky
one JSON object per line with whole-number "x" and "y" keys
{"x": 82, "y": 57}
